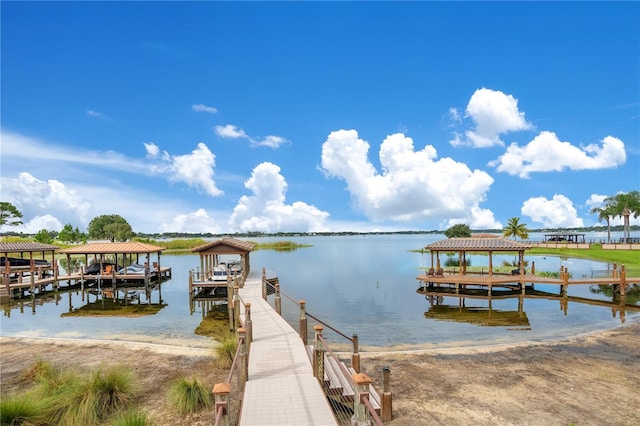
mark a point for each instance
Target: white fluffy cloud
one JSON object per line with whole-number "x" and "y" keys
{"x": 33, "y": 196}
{"x": 413, "y": 185}
{"x": 195, "y": 169}
{"x": 195, "y": 222}
{"x": 493, "y": 113}
{"x": 558, "y": 212}
{"x": 266, "y": 210}
{"x": 230, "y": 131}
{"x": 547, "y": 153}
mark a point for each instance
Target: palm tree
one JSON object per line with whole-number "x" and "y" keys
{"x": 605, "y": 213}
{"x": 516, "y": 229}
{"x": 624, "y": 205}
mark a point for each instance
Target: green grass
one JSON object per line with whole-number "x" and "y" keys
{"x": 22, "y": 410}
{"x": 214, "y": 325}
{"x": 91, "y": 400}
{"x": 189, "y": 394}
{"x": 226, "y": 351}
{"x": 281, "y": 246}
{"x": 132, "y": 418}
{"x": 629, "y": 258}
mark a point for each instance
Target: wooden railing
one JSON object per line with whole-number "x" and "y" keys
{"x": 363, "y": 408}
{"x": 239, "y": 367}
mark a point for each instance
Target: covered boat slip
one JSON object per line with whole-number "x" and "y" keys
{"x": 119, "y": 261}
{"x": 213, "y": 275}
{"x": 24, "y": 263}
{"x": 140, "y": 264}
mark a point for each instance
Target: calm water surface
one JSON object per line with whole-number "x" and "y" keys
{"x": 358, "y": 284}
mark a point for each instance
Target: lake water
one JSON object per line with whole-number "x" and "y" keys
{"x": 364, "y": 285}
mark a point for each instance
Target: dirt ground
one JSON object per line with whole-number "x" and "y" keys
{"x": 587, "y": 380}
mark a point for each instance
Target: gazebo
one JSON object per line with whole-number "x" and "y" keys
{"x": 462, "y": 246}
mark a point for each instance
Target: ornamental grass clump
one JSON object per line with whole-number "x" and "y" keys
{"x": 189, "y": 394}
{"x": 94, "y": 399}
{"x": 22, "y": 410}
{"x": 132, "y": 418}
{"x": 226, "y": 351}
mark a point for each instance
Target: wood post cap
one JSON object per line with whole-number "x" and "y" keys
{"x": 221, "y": 388}
{"x": 361, "y": 379}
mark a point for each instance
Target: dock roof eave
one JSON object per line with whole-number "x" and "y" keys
{"x": 477, "y": 244}
{"x": 226, "y": 245}
{"x": 113, "y": 248}
{"x": 26, "y": 247}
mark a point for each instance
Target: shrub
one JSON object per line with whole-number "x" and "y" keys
{"x": 189, "y": 394}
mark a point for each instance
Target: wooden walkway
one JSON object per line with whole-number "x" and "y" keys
{"x": 281, "y": 389}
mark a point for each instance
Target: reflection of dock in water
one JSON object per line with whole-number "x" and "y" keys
{"x": 488, "y": 316}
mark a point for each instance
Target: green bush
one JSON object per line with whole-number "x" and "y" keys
{"x": 189, "y": 394}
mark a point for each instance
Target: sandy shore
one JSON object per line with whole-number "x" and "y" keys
{"x": 591, "y": 379}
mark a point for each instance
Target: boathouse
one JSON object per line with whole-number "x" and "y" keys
{"x": 210, "y": 254}
{"x": 24, "y": 263}
{"x": 116, "y": 259}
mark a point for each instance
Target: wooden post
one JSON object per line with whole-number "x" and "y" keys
{"x": 278, "y": 300}
{"x": 264, "y": 283}
{"x": 303, "y": 322}
{"x": 243, "y": 361}
{"x": 623, "y": 281}
{"x": 248, "y": 325}
{"x": 230, "y": 298}
{"x": 221, "y": 393}
{"x": 236, "y": 307}
{"x": 360, "y": 413}
{"x": 386, "y": 408}
{"x": 355, "y": 357}
{"x": 318, "y": 355}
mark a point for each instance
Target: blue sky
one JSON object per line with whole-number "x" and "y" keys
{"x": 227, "y": 117}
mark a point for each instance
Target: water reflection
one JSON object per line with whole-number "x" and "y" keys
{"x": 129, "y": 300}
{"x": 444, "y": 307}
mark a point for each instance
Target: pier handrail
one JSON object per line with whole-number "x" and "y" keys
{"x": 221, "y": 391}
{"x": 385, "y": 397}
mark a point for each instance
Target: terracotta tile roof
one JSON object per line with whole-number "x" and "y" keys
{"x": 230, "y": 242}
{"x": 25, "y": 247}
{"x": 113, "y": 248}
{"x": 477, "y": 244}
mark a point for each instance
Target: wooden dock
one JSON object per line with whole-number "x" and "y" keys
{"x": 281, "y": 388}
{"x": 39, "y": 282}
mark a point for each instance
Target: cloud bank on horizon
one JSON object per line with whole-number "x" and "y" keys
{"x": 413, "y": 185}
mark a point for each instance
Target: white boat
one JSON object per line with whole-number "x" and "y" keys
{"x": 219, "y": 273}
